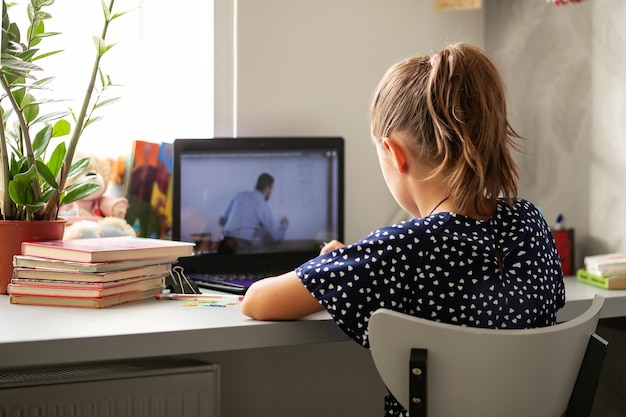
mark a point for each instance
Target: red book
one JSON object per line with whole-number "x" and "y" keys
{"x": 63, "y": 275}
{"x": 37, "y": 263}
{"x": 107, "y": 249}
{"x": 86, "y": 302}
{"x": 19, "y": 286}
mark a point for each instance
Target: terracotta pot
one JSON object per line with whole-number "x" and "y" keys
{"x": 14, "y": 232}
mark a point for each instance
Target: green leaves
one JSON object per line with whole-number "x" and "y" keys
{"x": 42, "y": 138}
{"x": 24, "y": 176}
{"x": 55, "y": 163}
{"x": 22, "y": 192}
{"x": 81, "y": 188}
{"x": 78, "y": 191}
{"x": 34, "y": 178}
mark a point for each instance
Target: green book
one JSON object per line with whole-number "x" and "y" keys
{"x": 609, "y": 283}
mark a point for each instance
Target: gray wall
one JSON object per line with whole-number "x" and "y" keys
{"x": 566, "y": 72}
{"x": 309, "y": 67}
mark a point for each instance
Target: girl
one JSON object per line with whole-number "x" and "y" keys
{"x": 474, "y": 254}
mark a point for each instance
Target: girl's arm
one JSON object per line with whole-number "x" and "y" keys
{"x": 279, "y": 298}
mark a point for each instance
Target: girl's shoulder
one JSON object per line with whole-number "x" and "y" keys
{"x": 520, "y": 210}
{"x": 518, "y": 213}
{"x": 424, "y": 229}
{"x": 519, "y": 205}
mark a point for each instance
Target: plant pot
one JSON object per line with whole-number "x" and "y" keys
{"x": 14, "y": 232}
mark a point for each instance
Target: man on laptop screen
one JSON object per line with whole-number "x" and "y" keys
{"x": 256, "y": 206}
{"x": 248, "y": 221}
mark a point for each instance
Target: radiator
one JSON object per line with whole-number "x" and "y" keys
{"x": 150, "y": 388}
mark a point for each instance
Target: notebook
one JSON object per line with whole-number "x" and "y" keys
{"x": 243, "y": 232}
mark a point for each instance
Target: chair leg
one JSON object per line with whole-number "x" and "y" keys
{"x": 581, "y": 400}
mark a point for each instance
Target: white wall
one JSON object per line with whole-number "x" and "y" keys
{"x": 309, "y": 67}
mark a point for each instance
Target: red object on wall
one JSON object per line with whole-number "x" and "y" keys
{"x": 564, "y": 240}
{"x": 564, "y": 2}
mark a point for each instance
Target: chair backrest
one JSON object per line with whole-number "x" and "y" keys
{"x": 475, "y": 372}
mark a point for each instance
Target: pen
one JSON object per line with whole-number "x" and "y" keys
{"x": 196, "y": 297}
{"x": 559, "y": 222}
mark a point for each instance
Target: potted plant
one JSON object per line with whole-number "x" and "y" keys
{"x": 37, "y": 148}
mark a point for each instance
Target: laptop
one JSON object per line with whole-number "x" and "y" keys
{"x": 243, "y": 228}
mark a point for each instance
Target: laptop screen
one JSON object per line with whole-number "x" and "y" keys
{"x": 257, "y": 202}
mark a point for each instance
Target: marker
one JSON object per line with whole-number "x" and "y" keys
{"x": 196, "y": 297}
{"x": 559, "y": 222}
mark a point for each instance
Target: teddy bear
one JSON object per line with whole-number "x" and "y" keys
{"x": 105, "y": 227}
{"x": 100, "y": 214}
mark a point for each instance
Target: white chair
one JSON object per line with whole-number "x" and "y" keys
{"x": 441, "y": 370}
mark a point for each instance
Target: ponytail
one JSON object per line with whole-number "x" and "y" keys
{"x": 453, "y": 105}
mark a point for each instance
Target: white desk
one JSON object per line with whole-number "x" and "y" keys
{"x": 276, "y": 364}
{"x": 36, "y": 336}
{"x": 579, "y": 298}
{"x": 273, "y": 362}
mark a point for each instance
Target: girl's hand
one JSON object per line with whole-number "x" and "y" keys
{"x": 333, "y": 244}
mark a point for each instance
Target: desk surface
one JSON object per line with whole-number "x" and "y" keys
{"x": 579, "y": 296}
{"x": 38, "y": 336}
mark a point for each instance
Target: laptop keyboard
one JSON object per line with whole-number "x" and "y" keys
{"x": 238, "y": 276}
{"x": 236, "y": 283}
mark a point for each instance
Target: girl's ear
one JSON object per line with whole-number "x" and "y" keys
{"x": 397, "y": 154}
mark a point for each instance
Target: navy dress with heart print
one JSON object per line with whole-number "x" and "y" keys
{"x": 503, "y": 272}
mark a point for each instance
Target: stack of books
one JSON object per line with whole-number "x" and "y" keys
{"x": 93, "y": 273}
{"x": 605, "y": 271}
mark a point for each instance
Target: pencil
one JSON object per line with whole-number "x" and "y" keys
{"x": 197, "y": 297}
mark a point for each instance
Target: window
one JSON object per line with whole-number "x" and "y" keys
{"x": 162, "y": 60}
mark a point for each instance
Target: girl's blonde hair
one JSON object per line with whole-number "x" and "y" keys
{"x": 453, "y": 106}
